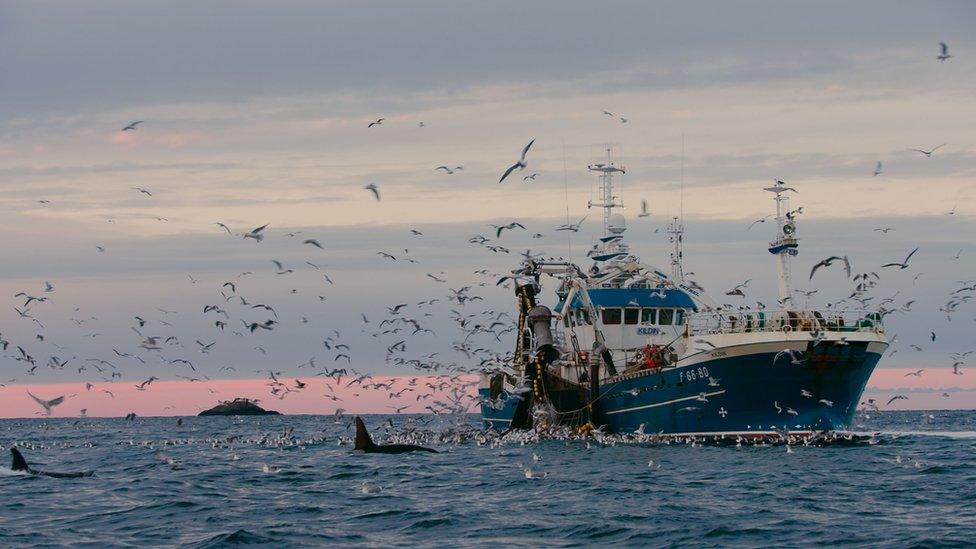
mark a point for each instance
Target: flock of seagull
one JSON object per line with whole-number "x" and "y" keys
{"x": 448, "y": 389}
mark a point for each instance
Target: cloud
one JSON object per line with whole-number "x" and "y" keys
{"x": 257, "y": 114}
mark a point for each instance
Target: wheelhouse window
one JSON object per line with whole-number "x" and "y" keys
{"x": 648, "y": 316}
{"x": 665, "y": 317}
{"x": 680, "y": 320}
{"x": 631, "y": 316}
{"x": 611, "y": 316}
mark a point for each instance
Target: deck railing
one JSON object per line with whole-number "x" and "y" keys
{"x": 786, "y": 320}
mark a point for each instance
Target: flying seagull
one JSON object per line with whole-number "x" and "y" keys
{"x": 763, "y": 220}
{"x": 877, "y": 169}
{"x": 928, "y": 153}
{"x": 47, "y": 404}
{"x": 257, "y": 234}
{"x": 374, "y": 189}
{"x": 575, "y": 227}
{"x": 829, "y": 261}
{"x": 643, "y": 212}
{"x": 132, "y": 126}
{"x": 379, "y": 122}
{"x": 904, "y": 264}
{"x": 521, "y": 164}
{"x": 224, "y": 227}
{"x": 500, "y": 228}
{"x": 945, "y": 52}
{"x": 897, "y": 397}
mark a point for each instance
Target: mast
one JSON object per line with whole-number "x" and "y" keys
{"x": 607, "y": 200}
{"x": 677, "y": 232}
{"x": 785, "y": 244}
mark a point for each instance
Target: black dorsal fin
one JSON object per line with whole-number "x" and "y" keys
{"x": 19, "y": 463}
{"x": 363, "y": 441}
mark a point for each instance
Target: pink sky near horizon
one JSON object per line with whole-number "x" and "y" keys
{"x": 182, "y": 398}
{"x": 185, "y": 398}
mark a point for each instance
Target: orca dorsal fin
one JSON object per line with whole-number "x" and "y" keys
{"x": 363, "y": 440}
{"x": 19, "y": 463}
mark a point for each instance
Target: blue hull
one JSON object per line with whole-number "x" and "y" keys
{"x": 747, "y": 394}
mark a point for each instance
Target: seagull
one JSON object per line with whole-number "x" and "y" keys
{"x": 877, "y": 169}
{"x": 373, "y": 189}
{"x": 945, "y": 52}
{"x": 827, "y": 262}
{"x": 500, "y": 228}
{"x": 884, "y": 230}
{"x": 47, "y": 404}
{"x": 575, "y": 227}
{"x": 528, "y": 177}
{"x": 904, "y": 264}
{"x": 143, "y": 191}
{"x": 256, "y": 234}
{"x": 132, "y": 126}
{"x": 379, "y": 122}
{"x": 780, "y": 186}
{"x": 928, "y": 154}
{"x": 897, "y": 397}
{"x": 796, "y": 357}
{"x": 763, "y": 220}
{"x": 530, "y": 474}
{"x": 705, "y": 342}
{"x": 449, "y": 171}
{"x": 521, "y": 164}
{"x": 644, "y": 212}
{"x": 916, "y": 373}
{"x": 142, "y": 386}
{"x": 313, "y": 242}
{"x": 224, "y": 227}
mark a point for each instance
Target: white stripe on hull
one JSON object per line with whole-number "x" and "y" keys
{"x": 665, "y": 403}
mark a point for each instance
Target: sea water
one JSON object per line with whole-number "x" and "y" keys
{"x": 295, "y": 481}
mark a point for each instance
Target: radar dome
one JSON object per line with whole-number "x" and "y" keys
{"x": 617, "y": 224}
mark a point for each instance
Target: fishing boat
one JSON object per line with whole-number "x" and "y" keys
{"x": 625, "y": 347}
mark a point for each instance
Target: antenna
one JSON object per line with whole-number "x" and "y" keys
{"x": 611, "y": 245}
{"x": 681, "y": 206}
{"x": 607, "y": 199}
{"x": 785, "y": 244}
{"x": 677, "y": 228}
{"x": 569, "y": 236}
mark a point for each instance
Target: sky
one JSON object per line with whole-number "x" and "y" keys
{"x": 257, "y": 113}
